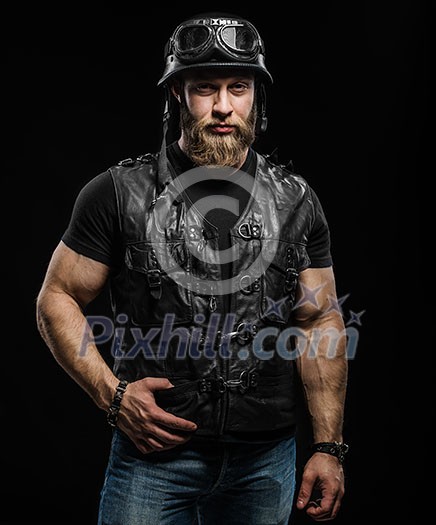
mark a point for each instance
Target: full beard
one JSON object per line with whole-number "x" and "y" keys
{"x": 207, "y": 148}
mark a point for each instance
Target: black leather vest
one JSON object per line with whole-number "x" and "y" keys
{"x": 227, "y": 372}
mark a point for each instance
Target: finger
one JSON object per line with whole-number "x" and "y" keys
{"x": 169, "y": 438}
{"x": 157, "y": 383}
{"x": 151, "y": 444}
{"x": 154, "y": 443}
{"x": 336, "y": 507}
{"x": 143, "y": 447}
{"x": 159, "y": 447}
{"x": 147, "y": 448}
{"x": 142, "y": 442}
{"x": 322, "y": 510}
{"x": 166, "y": 419}
{"x": 322, "y": 519}
{"x": 306, "y": 489}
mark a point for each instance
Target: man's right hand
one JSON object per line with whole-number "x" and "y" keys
{"x": 150, "y": 427}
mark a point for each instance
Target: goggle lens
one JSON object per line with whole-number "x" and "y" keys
{"x": 239, "y": 38}
{"x": 191, "y": 38}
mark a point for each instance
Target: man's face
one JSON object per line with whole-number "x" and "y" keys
{"x": 218, "y": 116}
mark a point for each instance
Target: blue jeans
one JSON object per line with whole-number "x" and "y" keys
{"x": 199, "y": 484}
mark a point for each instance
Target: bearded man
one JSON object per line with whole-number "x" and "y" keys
{"x": 221, "y": 282}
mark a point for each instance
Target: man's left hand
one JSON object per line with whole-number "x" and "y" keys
{"x": 324, "y": 475}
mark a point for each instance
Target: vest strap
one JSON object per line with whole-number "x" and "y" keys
{"x": 155, "y": 283}
{"x": 247, "y": 379}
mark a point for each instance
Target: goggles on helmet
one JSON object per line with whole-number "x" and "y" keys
{"x": 233, "y": 39}
{"x": 214, "y": 42}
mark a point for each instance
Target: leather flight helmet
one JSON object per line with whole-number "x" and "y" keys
{"x": 215, "y": 40}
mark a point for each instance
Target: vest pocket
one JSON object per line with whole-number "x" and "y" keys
{"x": 159, "y": 283}
{"x": 188, "y": 403}
{"x": 268, "y": 407}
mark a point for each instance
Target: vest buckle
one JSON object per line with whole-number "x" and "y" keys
{"x": 215, "y": 386}
{"x": 247, "y": 379}
{"x": 153, "y": 278}
{"x": 249, "y": 231}
{"x": 154, "y": 283}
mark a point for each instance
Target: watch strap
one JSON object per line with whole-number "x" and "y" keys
{"x": 334, "y": 448}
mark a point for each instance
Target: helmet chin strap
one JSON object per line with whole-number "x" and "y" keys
{"x": 163, "y": 161}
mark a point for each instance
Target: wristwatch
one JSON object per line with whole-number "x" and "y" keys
{"x": 334, "y": 448}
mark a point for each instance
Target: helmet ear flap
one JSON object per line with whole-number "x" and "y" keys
{"x": 263, "y": 124}
{"x": 171, "y": 114}
{"x": 262, "y": 119}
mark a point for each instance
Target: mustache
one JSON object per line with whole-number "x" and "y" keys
{"x": 221, "y": 122}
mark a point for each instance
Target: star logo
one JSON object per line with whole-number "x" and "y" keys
{"x": 308, "y": 296}
{"x": 336, "y": 303}
{"x": 275, "y": 307}
{"x": 355, "y": 317}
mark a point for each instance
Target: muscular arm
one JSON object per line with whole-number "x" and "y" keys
{"x": 72, "y": 281}
{"x": 322, "y": 366}
{"x": 323, "y": 370}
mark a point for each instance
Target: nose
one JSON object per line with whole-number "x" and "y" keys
{"x": 222, "y": 107}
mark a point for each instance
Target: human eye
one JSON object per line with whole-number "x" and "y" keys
{"x": 204, "y": 88}
{"x": 240, "y": 87}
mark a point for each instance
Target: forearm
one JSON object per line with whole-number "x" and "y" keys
{"x": 63, "y": 327}
{"x": 323, "y": 370}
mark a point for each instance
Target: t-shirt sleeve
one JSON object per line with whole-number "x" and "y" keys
{"x": 318, "y": 245}
{"x": 94, "y": 229}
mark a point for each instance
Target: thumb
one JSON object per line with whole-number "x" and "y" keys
{"x": 157, "y": 383}
{"x": 305, "y": 492}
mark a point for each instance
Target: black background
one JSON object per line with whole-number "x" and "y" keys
{"x": 348, "y": 107}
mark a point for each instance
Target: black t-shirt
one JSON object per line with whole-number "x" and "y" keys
{"x": 94, "y": 231}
